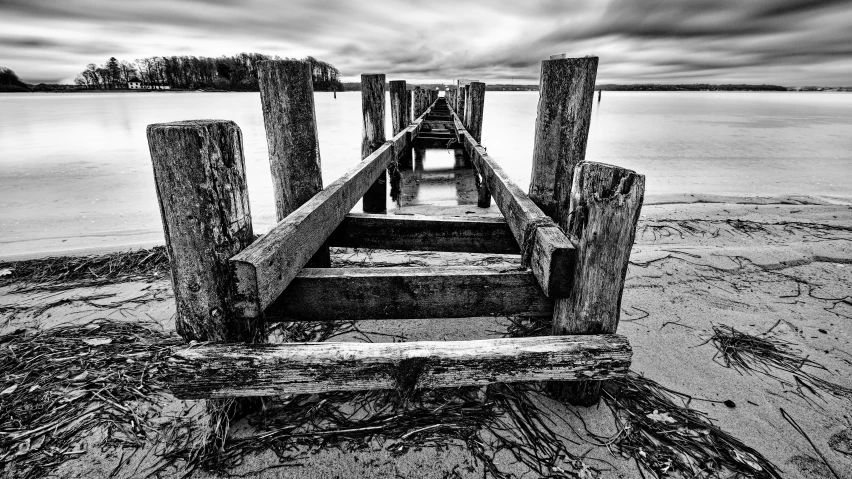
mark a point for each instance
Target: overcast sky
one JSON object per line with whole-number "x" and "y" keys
{"x": 786, "y": 42}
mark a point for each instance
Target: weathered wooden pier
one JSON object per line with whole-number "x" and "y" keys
{"x": 573, "y": 232}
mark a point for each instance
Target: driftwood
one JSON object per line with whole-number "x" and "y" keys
{"x": 232, "y": 370}
{"x": 425, "y": 233}
{"x": 344, "y": 294}
{"x": 199, "y": 171}
{"x": 287, "y": 99}
{"x": 373, "y": 136}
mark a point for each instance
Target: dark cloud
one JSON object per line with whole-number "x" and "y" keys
{"x": 759, "y": 41}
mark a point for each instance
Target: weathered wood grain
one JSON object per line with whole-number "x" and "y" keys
{"x": 231, "y": 370}
{"x": 605, "y": 204}
{"x": 475, "y": 110}
{"x": 561, "y": 130}
{"x": 461, "y": 103}
{"x": 199, "y": 171}
{"x": 425, "y": 233}
{"x": 548, "y": 254}
{"x": 289, "y": 115}
{"x": 338, "y": 294}
{"x": 399, "y": 108}
{"x": 373, "y": 136}
{"x": 266, "y": 267}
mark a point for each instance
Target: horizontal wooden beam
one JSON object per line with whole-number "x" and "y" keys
{"x": 343, "y": 294}
{"x": 233, "y": 370}
{"x": 425, "y": 233}
{"x": 544, "y": 247}
{"x": 266, "y": 267}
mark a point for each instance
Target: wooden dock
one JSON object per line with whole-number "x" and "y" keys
{"x": 573, "y": 233}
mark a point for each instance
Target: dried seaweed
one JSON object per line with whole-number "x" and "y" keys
{"x": 61, "y": 383}
{"x": 93, "y": 270}
{"x": 665, "y": 437}
{"x": 662, "y": 436}
{"x": 766, "y": 353}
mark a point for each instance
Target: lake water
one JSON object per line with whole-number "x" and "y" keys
{"x": 75, "y": 171}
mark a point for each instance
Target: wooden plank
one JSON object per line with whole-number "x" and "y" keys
{"x": 543, "y": 246}
{"x": 287, "y": 100}
{"x": 605, "y": 204}
{"x": 373, "y": 136}
{"x": 199, "y": 172}
{"x": 337, "y": 294}
{"x": 425, "y": 233}
{"x": 265, "y": 268}
{"x": 232, "y": 370}
{"x": 561, "y": 130}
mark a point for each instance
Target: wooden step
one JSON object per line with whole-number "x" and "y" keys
{"x": 233, "y": 370}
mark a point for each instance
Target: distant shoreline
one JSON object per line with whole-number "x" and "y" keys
{"x": 493, "y": 88}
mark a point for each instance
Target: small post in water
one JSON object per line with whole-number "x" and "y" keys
{"x": 473, "y": 120}
{"x": 373, "y": 136}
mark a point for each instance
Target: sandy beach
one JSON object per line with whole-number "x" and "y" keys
{"x": 778, "y": 268}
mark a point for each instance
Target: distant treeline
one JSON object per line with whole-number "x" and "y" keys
{"x": 9, "y": 81}
{"x": 690, "y": 87}
{"x": 232, "y": 73}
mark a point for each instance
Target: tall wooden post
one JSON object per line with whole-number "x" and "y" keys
{"x": 373, "y": 136}
{"x": 474, "y": 109}
{"x": 561, "y": 130}
{"x": 399, "y": 122}
{"x": 410, "y": 98}
{"x": 601, "y": 222}
{"x": 415, "y": 103}
{"x": 199, "y": 171}
{"x": 287, "y": 99}
{"x": 597, "y": 205}
{"x": 398, "y": 106}
{"x": 461, "y": 104}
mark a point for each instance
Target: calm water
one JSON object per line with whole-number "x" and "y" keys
{"x": 75, "y": 171}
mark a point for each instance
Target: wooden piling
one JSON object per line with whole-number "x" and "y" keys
{"x": 199, "y": 171}
{"x": 373, "y": 136}
{"x": 604, "y": 209}
{"x": 561, "y": 130}
{"x": 473, "y": 120}
{"x": 398, "y": 106}
{"x": 460, "y": 101}
{"x": 289, "y": 115}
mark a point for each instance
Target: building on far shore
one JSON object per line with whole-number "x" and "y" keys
{"x": 136, "y": 84}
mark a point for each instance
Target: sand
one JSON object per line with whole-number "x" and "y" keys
{"x": 756, "y": 264}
